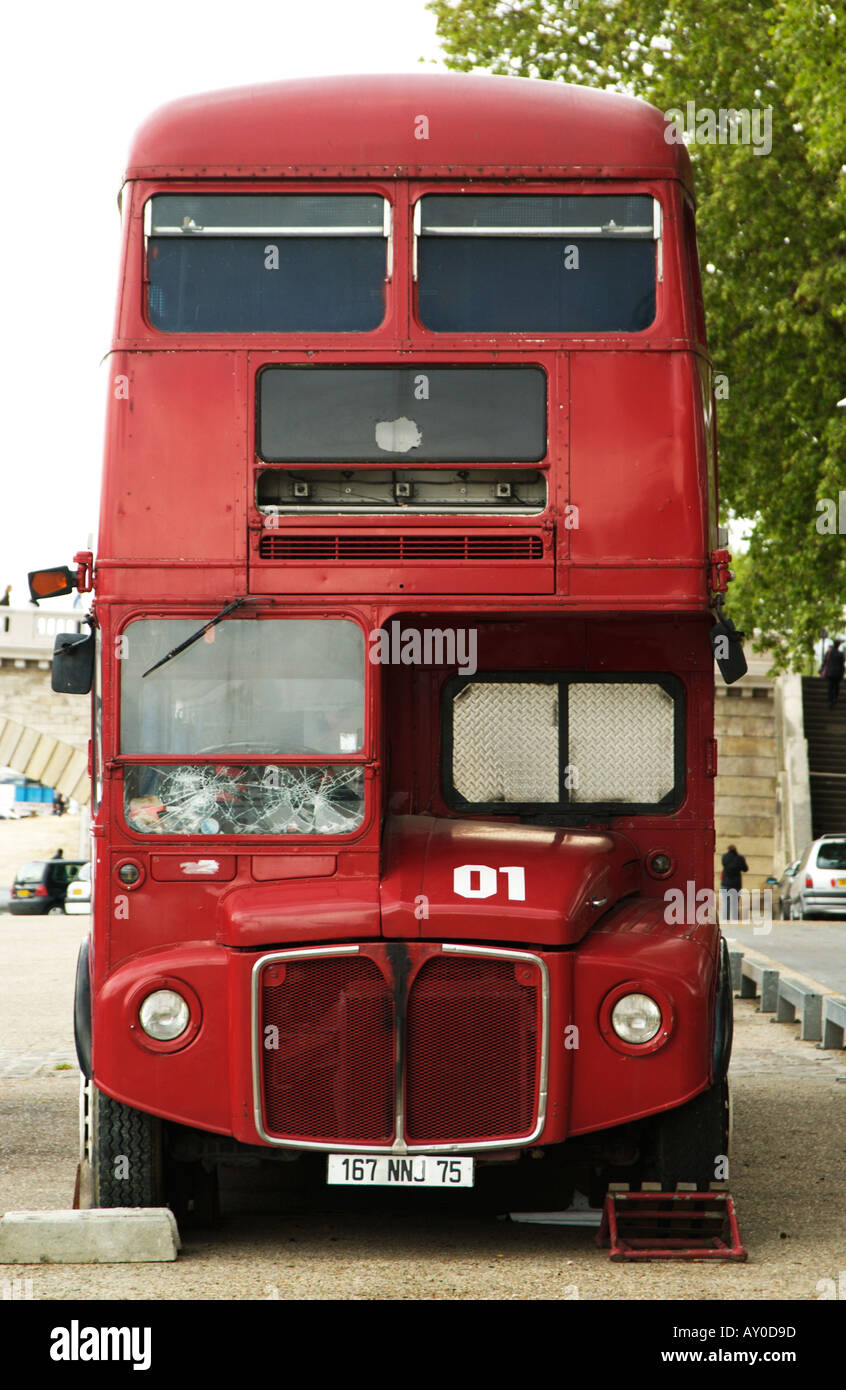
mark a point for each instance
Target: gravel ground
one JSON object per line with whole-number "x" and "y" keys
{"x": 788, "y": 1178}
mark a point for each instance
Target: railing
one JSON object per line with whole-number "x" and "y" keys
{"x": 29, "y": 633}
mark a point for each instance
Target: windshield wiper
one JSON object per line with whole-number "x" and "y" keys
{"x": 195, "y": 637}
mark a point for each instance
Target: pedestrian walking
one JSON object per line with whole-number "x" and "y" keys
{"x": 731, "y": 883}
{"x": 832, "y": 670}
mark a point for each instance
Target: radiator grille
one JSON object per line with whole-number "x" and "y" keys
{"x": 390, "y": 549}
{"x": 331, "y": 1075}
{"x": 473, "y": 1050}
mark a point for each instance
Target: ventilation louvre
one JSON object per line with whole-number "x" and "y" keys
{"x": 368, "y": 549}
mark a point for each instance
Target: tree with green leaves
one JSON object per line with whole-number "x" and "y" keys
{"x": 772, "y": 238}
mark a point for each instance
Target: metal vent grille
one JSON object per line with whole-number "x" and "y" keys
{"x": 327, "y": 1070}
{"x": 473, "y": 1050}
{"x": 621, "y": 741}
{"x": 376, "y": 549}
{"x": 505, "y": 742}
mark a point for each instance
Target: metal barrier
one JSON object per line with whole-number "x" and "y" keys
{"x": 793, "y": 996}
{"x": 822, "y": 1017}
{"x": 833, "y": 1021}
{"x": 759, "y": 979}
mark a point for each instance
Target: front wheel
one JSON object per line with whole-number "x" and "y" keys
{"x": 125, "y": 1148}
{"x": 691, "y": 1143}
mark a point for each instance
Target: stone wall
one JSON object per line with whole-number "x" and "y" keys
{"x": 26, "y": 697}
{"x": 745, "y": 790}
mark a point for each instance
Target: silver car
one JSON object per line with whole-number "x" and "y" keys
{"x": 818, "y": 888}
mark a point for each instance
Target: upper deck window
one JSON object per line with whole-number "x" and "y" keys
{"x": 502, "y": 263}
{"x": 267, "y": 263}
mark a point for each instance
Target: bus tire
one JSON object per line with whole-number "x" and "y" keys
{"x": 126, "y": 1154}
{"x": 691, "y": 1143}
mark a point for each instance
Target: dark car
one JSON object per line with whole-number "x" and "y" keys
{"x": 41, "y": 886}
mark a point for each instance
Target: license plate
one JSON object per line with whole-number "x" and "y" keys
{"x": 841, "y": 883}
{"x": 417, "y": 1170}
{"x": 23, "y": 893}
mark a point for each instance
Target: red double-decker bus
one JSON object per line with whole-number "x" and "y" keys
{"x": 403, "y": 689}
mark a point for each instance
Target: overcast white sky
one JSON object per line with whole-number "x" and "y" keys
{"x": 78, "y": 79}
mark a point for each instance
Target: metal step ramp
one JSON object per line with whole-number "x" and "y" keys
{"x": 670, "y": 1226}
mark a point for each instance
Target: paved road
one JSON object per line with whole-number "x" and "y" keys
{"x": 817, "y": 949}
{"x": 788, "y": 1177}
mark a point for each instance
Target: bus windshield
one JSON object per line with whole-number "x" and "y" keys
{"x": 280, "y": 688}
{"x": 274, "y": 689}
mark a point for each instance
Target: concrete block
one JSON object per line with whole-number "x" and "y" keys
{"x": 744, "y": 807}
{"x": 114, "y": 1235}
{"x": 731, "y": 725}
{"x": 730, "y": 828}
{"x": 757, "y": 977}
{"x": 833, "y": 1021}
{"x": 746, "y": 746}
{"x": 792, "y": 996}
{"x": 736, "y": 964}
{"x": 749, "y": 788}
{"x": 757, "y": 846}
{"x": 747, "y": 765}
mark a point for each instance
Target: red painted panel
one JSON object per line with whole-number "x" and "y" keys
{"x": 390, "y": 121}
{"x": 563, "y": 872}
{"x": 273, "y": 866}
{"x": 611, "y": 1087}
{"x": 634, "y": 473}
{"x": 302, "y": 912}
{"x": 189, "y": 1085}
{"x": 204, "y": 867}
{"x": 175, "y": 484}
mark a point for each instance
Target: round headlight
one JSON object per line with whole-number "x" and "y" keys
{"x": 636, "y": 1018}
{"x": 129, "y": 874}
{"x": 164, "y": 1015}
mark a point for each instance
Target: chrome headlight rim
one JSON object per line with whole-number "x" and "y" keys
{"x": 657, "y": 996}
{"x": 142, "y": 991}
{"x": 168, "y": 1015}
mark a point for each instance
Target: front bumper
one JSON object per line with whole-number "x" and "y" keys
{"x": 817, "y": 900}
{"x": 404, "y": 1047}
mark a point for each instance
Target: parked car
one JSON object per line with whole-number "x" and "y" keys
{"x": 78, "y": 899}
{"x": 818, "y": 888}
{"x": 780, "y": 888}
{"x": 42, "y": 885}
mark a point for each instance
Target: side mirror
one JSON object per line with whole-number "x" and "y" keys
{"x": 73, "y": 663}
{"x": 54, "y": 583}
{"x": 727, "y": 646}
{"x": 772, "y": 880}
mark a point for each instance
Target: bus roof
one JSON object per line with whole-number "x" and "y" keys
{"x": 373, "y": 126}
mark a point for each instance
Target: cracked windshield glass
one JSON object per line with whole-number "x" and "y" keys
{"x": 276, "y": 688}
